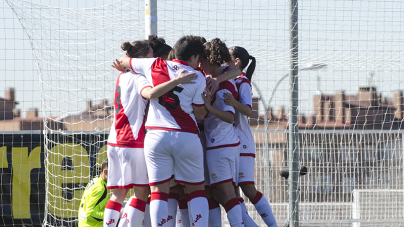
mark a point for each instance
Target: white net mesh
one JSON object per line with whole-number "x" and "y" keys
{"x": 351, "y": 111}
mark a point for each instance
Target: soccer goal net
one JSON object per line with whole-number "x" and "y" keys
{"x": 58, "y": 54}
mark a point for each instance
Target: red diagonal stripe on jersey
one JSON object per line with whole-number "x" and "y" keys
{"x": 124, "y": 134}
{"x": 160, "y": 74}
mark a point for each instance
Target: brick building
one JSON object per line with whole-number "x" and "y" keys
{"x": 11, "y": 120}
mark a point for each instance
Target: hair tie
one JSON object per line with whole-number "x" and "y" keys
{"x": 250, "y": 57}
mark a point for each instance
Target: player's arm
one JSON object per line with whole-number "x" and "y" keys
{"x": 97, "y": 195}
{"x": 161, "y": 89}
{"x": 222, "y": 115}
{"x": 213, "y": 83}
{"x": 198, "y": 102}
{"x": 199, "y": 112}
{"x": 243, "y": 109}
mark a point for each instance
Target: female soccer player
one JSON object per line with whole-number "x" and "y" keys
{"x": 222, "y": 142}
{"x": 127, "y": 167}
{"x": 240, "y": 59}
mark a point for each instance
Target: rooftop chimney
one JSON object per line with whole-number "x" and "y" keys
{"x": 9, "y": 94}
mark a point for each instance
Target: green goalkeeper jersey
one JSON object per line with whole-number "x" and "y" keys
{"x": 93, "y": 202}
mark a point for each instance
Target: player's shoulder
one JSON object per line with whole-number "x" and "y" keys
{"x": 242, "y": 80}
{"x": 228, "y": 85}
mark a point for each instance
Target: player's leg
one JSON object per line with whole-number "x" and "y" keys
{"x": 215, "y": 213}
{"x": 114, "y": 205}
{"x": 173, "y": 198}
{"x": 246, "y": 177}
{"x": 188, "y": 170}
{"x": 248, "y": 221}
{"x": 261, "y": 204}
{"x": 135, "y": 211}
{"x": 160, "y": 171}
{"x": 117, "y": 181}
{"x": 183, "y": 206}
{"x": 223, "y": 164}
{"x": 137, "y": 204}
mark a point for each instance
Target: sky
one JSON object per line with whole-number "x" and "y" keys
{"x": 57, "y": 54}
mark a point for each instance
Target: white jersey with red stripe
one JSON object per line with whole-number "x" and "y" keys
{"x": 247, "y": 146}
{"x": 173, "y": 111}
{"x": 219, "y": 133}
{"x": 128, "y": 128}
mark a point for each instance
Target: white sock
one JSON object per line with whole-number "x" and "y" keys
{"x": 234, "y": 214}
{"x": 134, "y": 213}
{"x": 198, "y": 208}
{"x": 111, "y": 213}
{"x": 215, "y": 214}
{"x": 172, "y": 209}
{"x": 158, "y": 208}
{"x": 184, "y": 213}
{"x": 147, "y": 221}
{"x": 264, "y": 209}
{"x": 248, "y": 221}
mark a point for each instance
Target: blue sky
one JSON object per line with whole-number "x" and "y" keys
{"x": 75, "y": 41}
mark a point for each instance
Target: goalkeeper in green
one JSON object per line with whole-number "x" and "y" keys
{"x": 94, "y": 200}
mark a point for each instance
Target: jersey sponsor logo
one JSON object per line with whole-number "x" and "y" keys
{"x": 175, "y": 67}
{"x": 240, "y": 175}
{"x": 110, "y": 222}
{"x": 214, "y": 176}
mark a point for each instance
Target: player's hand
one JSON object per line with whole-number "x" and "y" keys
{"x": 186, "y": 78}
{"x": 229, "y": 99}
{"x": 207, "y": 97}
{"x": 211, "y": 84}
{"x": 118, "y": 66}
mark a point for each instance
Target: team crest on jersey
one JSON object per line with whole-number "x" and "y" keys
{"x": 212, "y": 140}
{"x": 175, "y": 67}
{"x": 214, "y": 175}
{"x": 244, "y": 146}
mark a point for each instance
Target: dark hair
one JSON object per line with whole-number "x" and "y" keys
{"x": 217, "y": 52}
{"x": 159, "y": 46}
{"x": 244, "y": 56}
{"x": 136, "y": 49}
{"x": 104, "y": 164}
{"x": 187, "y": 46}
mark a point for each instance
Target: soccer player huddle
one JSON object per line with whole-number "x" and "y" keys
{"x": 180, "y": 135}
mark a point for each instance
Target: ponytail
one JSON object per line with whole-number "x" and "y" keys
{"x": 251, "y": 68}
{"x": 245, "y": 57}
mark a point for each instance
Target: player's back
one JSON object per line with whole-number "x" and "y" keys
{"x": 174, "y": 110}
{"x": 127, "y": 129}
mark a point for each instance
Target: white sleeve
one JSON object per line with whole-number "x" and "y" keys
{"x": 197, "y": 100}
{"x": 245, "y": 94}
{"x": 142, "y": 83}
{"x": 219, "y": 102}
{"x": 141, "y": 65}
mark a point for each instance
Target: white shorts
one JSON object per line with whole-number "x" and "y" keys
{"x": 246, "y": 170}
{"x": 126, "y": 167}
{"x": 175, "y": 153}
{"x": 223, "y": 164}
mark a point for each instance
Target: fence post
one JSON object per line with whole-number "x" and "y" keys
{"x": 293, "y": 157}
{"x": 150, "y": 18}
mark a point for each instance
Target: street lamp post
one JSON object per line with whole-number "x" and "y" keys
{"x": 310, "y": 67}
